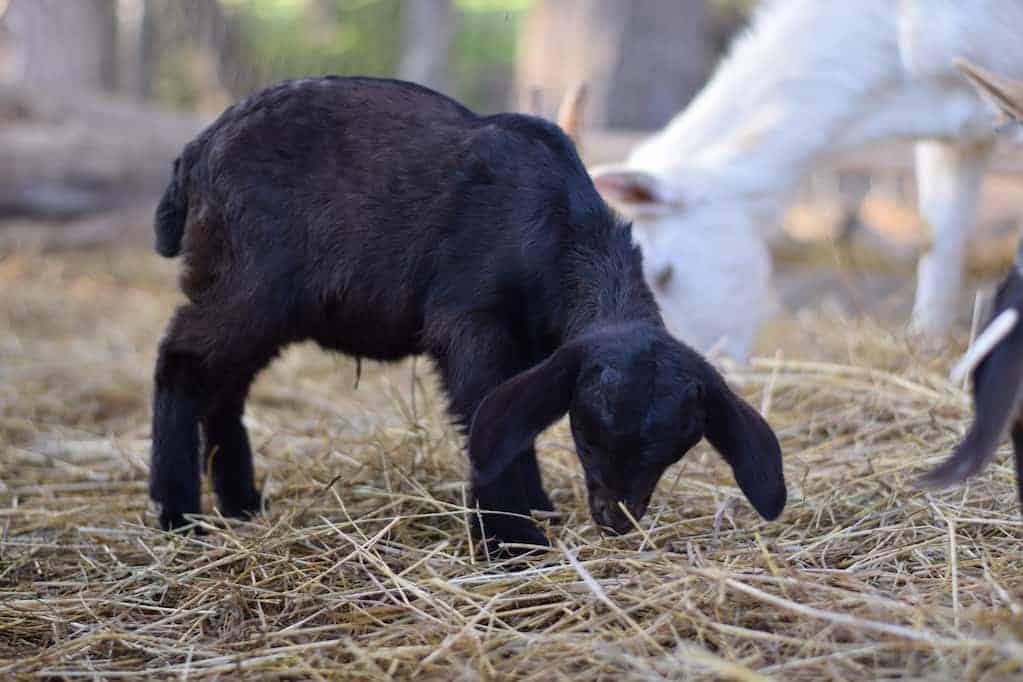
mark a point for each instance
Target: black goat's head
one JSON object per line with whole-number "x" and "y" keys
{"x": 638, "y": 400}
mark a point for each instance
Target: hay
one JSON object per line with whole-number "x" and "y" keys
{"x": 363, "y": 566}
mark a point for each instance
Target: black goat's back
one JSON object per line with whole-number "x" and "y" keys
{"x": 347, "y": 207}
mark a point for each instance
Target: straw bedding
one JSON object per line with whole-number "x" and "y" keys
{"x": 363, "y": 566}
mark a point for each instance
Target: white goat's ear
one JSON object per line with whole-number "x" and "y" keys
{"x": 1004, "y": 94}
{"x": 631, "y": 187}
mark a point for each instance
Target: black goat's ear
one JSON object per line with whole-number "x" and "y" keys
{"x": 513, "y": 414}
{"x": 997, "y": 381}
{"x": 748, "y": 444}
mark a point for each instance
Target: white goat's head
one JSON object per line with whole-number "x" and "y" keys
{"x": 706, "y": 264}
{"x": 704, "y": 259}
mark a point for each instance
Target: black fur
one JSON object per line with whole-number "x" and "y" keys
{"x": 171, "y": 214}
{"x": 383, "y": 220}
{"x": 997, "y": 397}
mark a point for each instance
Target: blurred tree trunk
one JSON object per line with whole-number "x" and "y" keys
{"x": 428, "y": 30}
{"x": 67, "y": 158}
{"x": 134, "y": 48}
{"x": 642, "y": 60}
{"x": 214, "y": 54}
{"x": 62, "y": 45}
{"x": 73, "y": 155}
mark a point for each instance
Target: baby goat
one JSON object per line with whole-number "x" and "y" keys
{"x": 382, "y": 220}
{"x": 995, "y": 360}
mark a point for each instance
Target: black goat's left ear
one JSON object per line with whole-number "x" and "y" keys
{"x": 748, "y": 444}
{"x": 513, "y": 414}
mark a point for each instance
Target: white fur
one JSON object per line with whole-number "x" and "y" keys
{"x": 999, "y": 328}
{"x": 811, "y": 78}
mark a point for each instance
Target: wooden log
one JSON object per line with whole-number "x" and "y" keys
{"x": 82, "y": 155}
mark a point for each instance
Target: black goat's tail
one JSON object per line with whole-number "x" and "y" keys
{"x": 170, "y": 217}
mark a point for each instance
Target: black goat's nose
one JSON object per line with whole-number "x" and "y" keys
{"x": 607, "y": 515}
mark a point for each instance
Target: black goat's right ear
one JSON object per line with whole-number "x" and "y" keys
{"x": 513, "y": 414}
{"x": 748, "y": 444}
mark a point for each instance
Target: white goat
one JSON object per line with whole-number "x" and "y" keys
{"x": 811, "y": 78}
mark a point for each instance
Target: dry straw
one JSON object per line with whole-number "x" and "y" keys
{"x": 363, "y": 566}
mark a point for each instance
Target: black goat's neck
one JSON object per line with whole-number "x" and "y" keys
{"x": 604, "y": 287}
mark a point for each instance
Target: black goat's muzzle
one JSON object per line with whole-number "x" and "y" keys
{"x": 609, "y": 512}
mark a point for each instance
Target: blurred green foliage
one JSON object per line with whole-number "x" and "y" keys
{"x": 291, "y": 38}
{"x": 483, "y": 56}
{"x": 263, "y": 41}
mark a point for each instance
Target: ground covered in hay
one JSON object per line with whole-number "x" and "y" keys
{"x": 363, "y": 566}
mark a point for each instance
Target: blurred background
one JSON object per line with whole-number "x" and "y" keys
{"x": 98, "y": 96}
{"x": 96, "y": 99}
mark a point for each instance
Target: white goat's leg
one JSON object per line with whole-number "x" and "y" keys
{"x": 948, "y": 180}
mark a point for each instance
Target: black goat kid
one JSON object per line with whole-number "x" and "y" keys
{"x": 997, "y": 373}
{"x": 995, "y": 360}
{"x": 383, "y": 220}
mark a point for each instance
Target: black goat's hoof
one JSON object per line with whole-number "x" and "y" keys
{"x": 241, "y": 506}
{"x": 540, "y": 502}
{"x": 508, "y": 536}
{"x": 549, "y": 517}
{"x": 173, "y": 520}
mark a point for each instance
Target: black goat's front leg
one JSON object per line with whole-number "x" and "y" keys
{"x": 533, "y": 482}
{"x": 504, "y": 515}
{"x": 479, "y": 361}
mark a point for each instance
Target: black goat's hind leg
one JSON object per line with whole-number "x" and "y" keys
{"x": 228, "y": 458}
{"x": 238, "y": 352}
{"x": 174, "y": 475}
{"x": 203, "y": 374}
{"x": 227, "y": 454}
{"x": 208, "y": 359}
